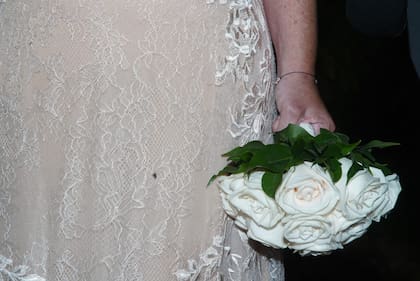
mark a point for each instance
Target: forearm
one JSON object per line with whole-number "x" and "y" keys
{"x": 293, "y": 29}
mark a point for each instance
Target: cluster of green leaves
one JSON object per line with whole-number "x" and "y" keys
{"x": 294, "y": 145}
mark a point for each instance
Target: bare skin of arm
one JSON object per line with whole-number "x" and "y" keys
{"x": 293, "y": 29}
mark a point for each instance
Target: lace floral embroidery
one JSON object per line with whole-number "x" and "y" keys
{"x": 245, "y": 32}
{"x": 242, "y": 35}
{"x": 207, "y": 266}
{"x": 18, "y": 273}
{"x": 251, "y": 70}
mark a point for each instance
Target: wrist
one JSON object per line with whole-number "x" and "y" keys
{"x": 297, "y": 75}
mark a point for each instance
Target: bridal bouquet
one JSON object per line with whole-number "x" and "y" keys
{"x": 311, "y": 194}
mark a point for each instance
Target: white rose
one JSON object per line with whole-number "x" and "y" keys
{"x": 272, "y": 237}
{"x": 254, "y": 203}
{"x": 307, "y": 189}
{"x": 338, "y": 222}
{"x": 309, "y": 234}
{"x": 346, "y": 230}
{"x": 353, "y": 231}
{"x": 229, "y": 185}
{"x": 368, "y": 192}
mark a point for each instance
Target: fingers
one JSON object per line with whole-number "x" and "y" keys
{"x": 321, "y": 121}
{"x": 316, "y": 121}
{"x": 277, "y": 125}
{"x": 285, "y": 118}
{"x": 281, "y": 123}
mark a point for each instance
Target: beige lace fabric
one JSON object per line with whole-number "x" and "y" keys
{"x": 113, "y": 117}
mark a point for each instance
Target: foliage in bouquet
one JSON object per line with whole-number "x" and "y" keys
{"x": 293, "y": 146}
{"x": 312, "y": 194}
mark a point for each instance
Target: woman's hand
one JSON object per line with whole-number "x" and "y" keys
{"x": 298, "y": 101}
{"x": 293, "y": 29}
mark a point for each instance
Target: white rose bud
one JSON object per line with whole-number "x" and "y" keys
{"x": 307, "y": 189}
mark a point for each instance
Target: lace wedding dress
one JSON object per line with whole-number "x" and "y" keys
{"x": 113, "y": 117}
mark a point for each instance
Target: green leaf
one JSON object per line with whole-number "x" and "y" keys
{"x": 300, "y": 152}
{"x": 291, "y": 134}
{"x": 383, "y": 167}
{"x": 379, "y": 144}
{"x": 243, "y": 168}
{"x": 271, "y": 182}
{"x": 334, "y": 169}
{"x": 273, "y": 157}
{"x": 212, "y": 179}
{"x": 346, "y": 149}
{"x": 331, "y": 151}
{"x": 245, "y": 156}
{"x": 366, "y": 153}
{"x": 343, "y": 138}
{"x": 355, "y": 167}
{"x": 238, "y": 152}
{"x": 326, "y": 137}
{"x": 226, "y": 171}
{"x": 361, "y": 159}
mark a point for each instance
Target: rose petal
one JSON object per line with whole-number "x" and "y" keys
{"x": 254, "y": 203}
{"x": 272, "y": 237}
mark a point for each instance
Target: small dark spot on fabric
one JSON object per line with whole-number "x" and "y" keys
{"x": 154, "y": 175}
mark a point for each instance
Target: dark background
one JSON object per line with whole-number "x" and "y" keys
{"x": 370, "y": 87}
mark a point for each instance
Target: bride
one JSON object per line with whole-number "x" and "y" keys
{"x": 113, "y": 116}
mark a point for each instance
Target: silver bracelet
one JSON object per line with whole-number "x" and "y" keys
{"x": 293, "y": 72}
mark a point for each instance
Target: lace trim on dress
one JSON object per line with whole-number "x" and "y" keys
{"x": 246, "y": 28}
{"x": 18, "y": 148}
{"x": 251, "y": 118}
{"x": 18, "y": 273}
{"x": 242, "y": 34}
{"x": 206, "y": 267}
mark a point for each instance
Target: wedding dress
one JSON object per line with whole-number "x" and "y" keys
{"x": 113, "y": 117}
